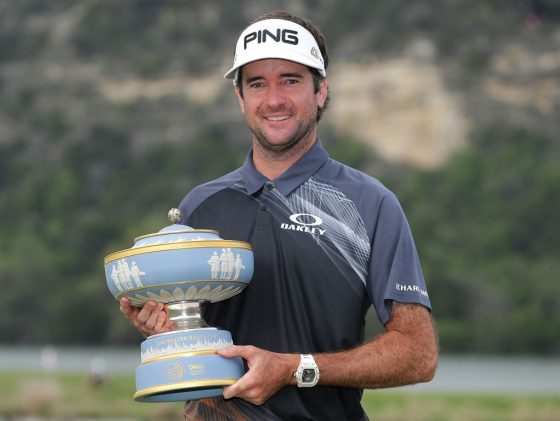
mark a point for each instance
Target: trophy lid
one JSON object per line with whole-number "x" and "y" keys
{"x": 176, "y": 232}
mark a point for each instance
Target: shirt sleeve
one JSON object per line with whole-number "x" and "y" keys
{"x": 394, "y": 272}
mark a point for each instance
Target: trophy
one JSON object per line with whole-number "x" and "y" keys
{"x": 186, "y": 269}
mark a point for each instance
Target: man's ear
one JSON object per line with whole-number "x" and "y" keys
{"x": 322, "y": 93}
{"x": 240, "y": 99}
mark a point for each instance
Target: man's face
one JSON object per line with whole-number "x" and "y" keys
{"x": 279, "y": 103}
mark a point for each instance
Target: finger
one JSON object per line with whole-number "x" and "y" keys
{"x": 234, "y": 351}
{"x": 146, "y": 311}
{"x": 127, "y": 309}
{"x": 170, "y": 324}
{"x": 235, "y": 389}
{"x": 141, "y": 317}
{"x": 161, "y": 321}
{"x": 124, "y": 304}
{"x": 151, "y": 322}
{"x": 227, "y": 352}
{"x": 246, "y": 389}
{"x": 228, "y": 392}
{"x": 238, "y": 387}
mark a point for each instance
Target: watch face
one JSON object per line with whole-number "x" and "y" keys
{"x": 308, "y": 375}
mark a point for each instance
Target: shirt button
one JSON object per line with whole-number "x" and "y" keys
{"x": 263, "y": 206}
{"x": 270, "y": 185}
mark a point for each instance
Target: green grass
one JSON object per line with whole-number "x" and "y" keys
{"x": 391, "y": 405}
{"x": 58, "y": 396}
{"x": 71, "y": 396}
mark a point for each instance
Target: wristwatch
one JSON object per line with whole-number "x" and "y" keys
{"x": 307, "y": 374}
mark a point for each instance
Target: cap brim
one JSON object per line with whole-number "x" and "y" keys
{"x": 296, "y": 58}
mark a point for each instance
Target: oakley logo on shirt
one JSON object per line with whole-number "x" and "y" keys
{"x": 304, "y": 222}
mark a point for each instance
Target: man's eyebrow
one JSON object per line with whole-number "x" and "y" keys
{"x": 292, "y": 75}
{"x": 253, "y": 79}
{"x": 284, "y": 75}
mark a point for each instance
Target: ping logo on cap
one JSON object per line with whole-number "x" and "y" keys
{"x": 287, "y": 36}
{"x": 276, "y": 39}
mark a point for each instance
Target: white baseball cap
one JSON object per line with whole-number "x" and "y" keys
{"x": 277, "y": 38}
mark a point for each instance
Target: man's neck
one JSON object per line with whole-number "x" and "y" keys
{"x": 273, "y": 165}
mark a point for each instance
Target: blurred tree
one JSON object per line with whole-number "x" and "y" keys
{"x": 82, "y": 174}
{"x": 488, "y": 234}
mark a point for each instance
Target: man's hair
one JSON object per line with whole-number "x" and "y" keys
{"x": 321, "y": 42}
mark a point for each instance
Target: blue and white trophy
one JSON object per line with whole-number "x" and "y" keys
{"x": 185, "y": 269}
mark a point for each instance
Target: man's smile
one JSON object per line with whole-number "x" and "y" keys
{"x": 277, "y": 118}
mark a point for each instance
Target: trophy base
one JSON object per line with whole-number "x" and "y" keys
{"x": 183, "y": 365}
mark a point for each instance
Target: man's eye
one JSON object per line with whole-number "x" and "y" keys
{"x": 256, "y": 85}
{"x": 291, "y": 81}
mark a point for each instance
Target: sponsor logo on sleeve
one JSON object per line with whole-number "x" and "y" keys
{"x": 411, "y": 288}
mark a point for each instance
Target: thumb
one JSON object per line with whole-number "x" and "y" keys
{"x": 233, "y": 351}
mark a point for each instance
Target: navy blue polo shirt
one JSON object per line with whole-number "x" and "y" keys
{"x": 328, "y": 242}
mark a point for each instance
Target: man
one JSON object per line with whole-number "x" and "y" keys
{"x": 328, "y": 242}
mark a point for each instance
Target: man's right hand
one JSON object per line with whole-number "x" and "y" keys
{"x": 150, "y": 319}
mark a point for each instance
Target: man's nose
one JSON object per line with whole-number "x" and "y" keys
{"x": 275, "y": 96}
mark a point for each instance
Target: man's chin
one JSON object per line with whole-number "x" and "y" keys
{"x": 286, "y": 145}
{"x": 278, "y": 146}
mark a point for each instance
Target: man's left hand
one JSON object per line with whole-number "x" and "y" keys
{"x": 268, "y": 373}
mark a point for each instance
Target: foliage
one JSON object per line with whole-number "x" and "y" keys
{"x": 64, "y": 216}
{"x": 488, "y": 233}
{"x": 81, "y": 175}
{"x": 159, "y": 37}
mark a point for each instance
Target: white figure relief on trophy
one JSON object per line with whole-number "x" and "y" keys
{"x": 123, "y": 275}
{"x": 226, "y": 265}
{"x": 230, "y": 263}
{"x": 239, "y": 266}
{"x": 136, "y": 274}
{"x": 223, "y": 264}
{"x": 214, "y": 263}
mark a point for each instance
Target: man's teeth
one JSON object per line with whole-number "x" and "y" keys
{"x": 278, "y": 118}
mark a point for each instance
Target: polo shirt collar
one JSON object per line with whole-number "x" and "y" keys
{"x": 292, "y": 178}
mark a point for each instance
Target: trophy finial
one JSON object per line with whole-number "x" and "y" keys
{"x": 174, "y": 215}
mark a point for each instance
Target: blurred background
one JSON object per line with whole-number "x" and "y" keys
{"x": 111, "y": 111}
